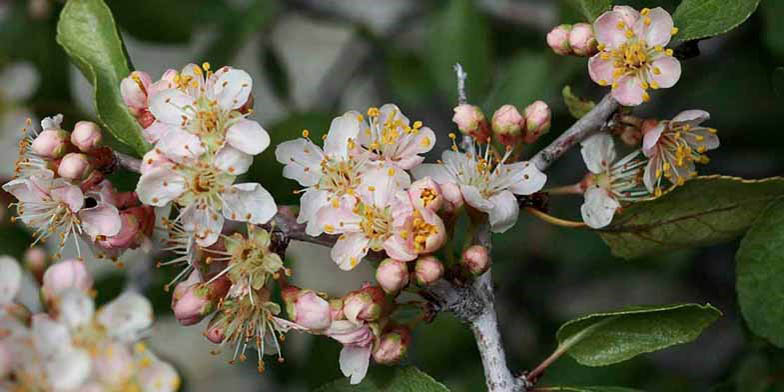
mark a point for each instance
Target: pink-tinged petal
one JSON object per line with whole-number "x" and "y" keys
{"x": 204, "y": 221}
{"x": 399, "y": 249}
{"x": 248, "y": 136}
{"x": 504, "y": 213}
{"x": 651, "y": 139}
{"x": 354, "y": 362}
{"x": 10, "y": 279}
{"x": 160, "y": 186}
{"x": 180, "y": 145}
{"x": 629, "y": 91}
{"x": 380, "y": 184}
{"x": 169, "y": 106}
{"x": 349, "y": 250}
{"x": 310, "y": 203}
{"x": 50, "y": 337}
{"x": 649, "y": 176}
{"x": 23, "y": 190}
{"x": 390, "y": 112}
{"x": 232, "y": 161}
{"x": 598, "y": 152}
{"x": 126, "y": 316}
{"x": 438, "y": 172}
{"x": 629, "y": 14}
{"x": 231, "y": 88}
{"x": 154, "y": 132}
{"x": 302, "y": 160}
{"x": 692, "y": 118}
{"x": 475, "y": 199}
{"x": 68, "y": 194}
{"x": 701, "y": 137}
{"x": 598, "y": 208}
{"x": 607, "y": 31}
{"x": 659, "y": 31}
{"x": 196, "y": 79}
{"x": 528, "y": 179}
{"x": 409, "y": 162}
{"x": 665, "y": 71}
{"x": 70, "y": 369}
{"x": 340, "y": 219}
{"x": 152, "y": 159}
{"x": 103, "y": 219}
{"x": 342, "y": 130}
{"x": 249, "y": 202}
{"x": 601, "y": 71}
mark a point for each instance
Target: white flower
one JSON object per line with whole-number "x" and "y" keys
{"x": 487, "y": 183}
{"x": 391, "y": 139}
{"x": 10, "y": 280}
{"x": 610, "y": 183}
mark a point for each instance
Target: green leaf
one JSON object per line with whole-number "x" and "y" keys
{"x": 237, "y": 28}
{"x": 276, "y": 73}
{"x": 459, "y": 34}
{"x": 606, "y": 338}
{"x": 774, "y": 29}
{"x": 704, "y": 211}
{"x": 707, "y": 18}
{"x": 395, "y": 379}
{"x": 528, "y": 77}
{"x": 87, "y": 32}
{"x": 587, "y": 389}
{"x": 577, "y": 106}
{"x": 591, "y": 9}
{"x": 778, "y": 82}
{"x": 760, "y": 274}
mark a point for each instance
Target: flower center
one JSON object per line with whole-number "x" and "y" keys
{"x": 340, "y": 177}
{"x": 421, "y": 231}
{"x": 375, "y": 224}
{"x": 427, "y": 196}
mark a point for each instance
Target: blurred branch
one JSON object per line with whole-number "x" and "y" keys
{"x": 128, "y": 162}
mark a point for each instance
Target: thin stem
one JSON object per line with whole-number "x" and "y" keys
{"x": 553, "y": 220}
{"x": 128, "y": 162}
{"x": 574, "y": 189}
{"x": 461, "y": 78}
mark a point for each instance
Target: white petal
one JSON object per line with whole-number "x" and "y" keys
{"x": 380, "y": 184}
{"x": 598, "y": 208}
{"x": 103, "y": 219}
{"x": 341, "y": 130}
{"x": 504, "y": 213}
{"x": 126, "y": 316}
{"x": 231, "y": 88}
{"x": 67, "y": 193}
{"x": 692, "y": 117}
{"x": 180, "y": 145}
{"x": 75, "y": 308}
{"x": 248, "y": 136}
{"x": 309, "y": 204}
{"x": 154, "y": 132}
{"x": 651, "y": 139}
{"x": 249, "y": 202}
{"x": 232, "y": 160}
{"x": 598, "y": 152}
{"x": 159, "y": 377}
{"x": 349, "y": 250}
{"x": 10, "y": 279}
{"x": 168, "y": 106}
{"x": 529, "y": 180}
{"x": 649, "y": 176}
{"x": 354, "y": 361}
{"x": 475, "y": 199}
{"x": 438, "y": 172}
{"x": 68, "y": 370}
{"x": 204, "y": 222}
{"x": 160, "y": 186}
{"x": 49, "y": 336}
{"x": 302, "y": 160}
{"x": 23, "y": 190}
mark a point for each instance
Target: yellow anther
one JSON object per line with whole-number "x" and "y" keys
{"x": 373, "y": 112}
{"x": 360, "y": 118}
{"x": 601, "y": 47}
{"x": 644, "y": 85}
{"x": 645, "y": 11}
{"x": 604, "y": 56}
{"x": 452, "y": 136}
{"x": 668, "y": 52}
{"x": 646, "y": 97}
{"x": 335, "y": 202}
{"x": 621, "y": 25}
{"x": 712, "y": 130}
{"x": 371, "y": 188}
{"x": 656, "y": 71}
{"x": 603, "y": 82}
{"x": 658, "y": 48}
{"x": 647, "y": 21}
{"x": 654, "y": 84}
{"x": 629, "y": 33}
{"x": 329, "y": 228}
{"x": 417, "y": 124}
{"x": 206, "y": 66}
{"x": 305, "y": 133}
{"x": 425, "y": 142}
{"x": 674, "y": 31}
{"x": 391, "y": 172}
{"x": 615, "y": 85}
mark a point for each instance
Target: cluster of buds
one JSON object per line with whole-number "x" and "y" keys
{"x": 62, "y": 190}
{"x": 577, "y": 40}
{"x": 508, "y": 126}
{"x": 73, "y": 346}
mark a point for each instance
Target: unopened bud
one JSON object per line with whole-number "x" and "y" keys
{"x": 582, "y": 40}
{"x": 86, "y": 136}
{"x": 537, "y": 121}
{"x": 365, "y": 304}
{"x": 452, "y": 194}
{"x": 426, "y": 193}
{"x": 392, "y": 275}
{"x": 50, "y": 143}
{"x": 508, "y": 124}
{"x": 558, "y": 40}
{"x": 392, "y": 346}
{"x": 214, "y": 332}
{"x": 307, "y": 309}
{"x": 64, "y": 275}
{"x": 36, "y": 260}
{"x": 74, "y": 166}
{"x": 471, "y": 121}
{"x": 336, "y": 309}
{"x": 428, "y": 270}
{"x": 134, "y": 89}
{"x": 194, "y": 302}
{"x": 476, "y": 259}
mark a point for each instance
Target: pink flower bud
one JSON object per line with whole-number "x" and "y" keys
{"x": 537, "y": 120}
{"x": 558, "y": 40}
{"x": 392, "y": 275}
{"x": 336, "y": 309}
{"x": 425, "y": 193}
{"x": 471, "y": 121}
{"x": 392, "y": 346}
{"x": 307, "y": 309}
{"x": 134, "y": 90}
{"x": 127, "y": 236}
{"x": 36, "y": 260}
{"x": 74, "y": 166}
{"x": 508, "y": 124}
{"x": 214, "y": 332}
{"x": 582, "y": 40}
{"x": 452, "y": 194}
{"x": 193, "y": 305}
{"x": 86, "y": 136}
{"x": 64, "y": 275}
{"x": 476, "y": 259}
{"x": 365, "y": 304}
{"x": 51, "y": 143}
{"x": 428, "y": 270}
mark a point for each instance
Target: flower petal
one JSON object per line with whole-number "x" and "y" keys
{"x": 528, "y": 179}
{"x": 598, "y": 152}
{"x": 180, "y": 145}
{"x": 607, "y": 31}
{"x": 70, "y": 369}
{"x": 231, "y": 88}
{"x": 399, "y": 249}
{"x": 628, "y": 91}
{"x": 692, "y": 118}
{"x": 341, "y": 130}
{"x": 601, "y": 70}
{"x": 349, "y": 250}
{"x": 475, "y": 199}
{"x": 651, "y": 139}
{"x": 204, "y": 222}
{"x": 10, "y": 279}
{"x": 126, "y": 316}
{"x": 649, "y": 176}
{"x": 248, "y": 136}
{"x": 302, "y": 160}
{"x": 68, "y": 194}
{"x": 168, "y": 106}
{"x": 154, "y": 132}
{"x": 159, "y": 186}
{"x": 629, "y": 14}
{"x": 103, "y": 219}
{"x": 232, "y": 160}
{"x": 659, "y": 31}
{"x": 504, "y": 213}
{"x": 354, "y": 361}
{"x": 309, "y": 204}
{"x": 701, "y": 137}
{"x": 598, "y": 208}
{"x": 249, "y": 202}
{"x": 75, "y": 308}
{"x": 669, "y": 71}
{"x": 437, "y": 171}
{"x": 380, "y": 184}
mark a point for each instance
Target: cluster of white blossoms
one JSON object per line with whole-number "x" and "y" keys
{"x": 203, "y": 139}
{"x": 73, "y": 347}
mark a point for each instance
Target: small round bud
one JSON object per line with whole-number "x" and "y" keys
{"x": 134, "y": 89}
{"x": 425, "y": 193}
{"x": 214, "y": 332}
{"x": 74, "y": 166}
{"x": 558, "y": 39}
{"x": 582, "y": 40}
{"x": 365, "y": 304}
{"x": 86, "y": 136}
{"x": 470, "y": 120}
{"x": 192, "y": 305}
{"x": 336, "y": 309}
{"x": 64, "y": 275}
{"x": 428, "y": 270}
{"x": 392, "y": 346}
{"x": 537, "y": 120}
{"x": 307, "y": 308}
{"x": 50, "y": 143}
{"x": 508, "y": 124}
{"x": 476, "y": 259}
{"x": 36, "y": 260}
{"x": 452, "y": 194}
{"x": 392, "y": 275}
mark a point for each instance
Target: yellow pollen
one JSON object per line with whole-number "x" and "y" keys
{"x": 206, "y": 66}
{"x": 305, "y": 133}
{"x": 360, "y": 118}
{"x": 417, "y": 124}
{"x": 668, "y": 52}
{"x": 647, "y": 21}
{"x": 645, "y": 11}
{"x": 391, "y": 172}
{"x": 674, "y": 31}
{"x": 329, "y": 228}
{"x": 425, "y": 142}
{"x": 452, "y": 136}
{"x": 373, "y": 112}
{"x": 621, "y": 25}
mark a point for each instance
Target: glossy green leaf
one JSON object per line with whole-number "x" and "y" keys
{"x": 88, "y": 34}
{"x": 606, "y": 338}
{"x": 591, "y": 9}
{"x": 760, "y": 274}
{"x": 459, "y": 34}
{"x": 570, "y": 388}
{"x": 704, "y": 211}
{"x": 396, "y": 379}
{"x": 707, "y": 18}
{"x": 577, "y": 106}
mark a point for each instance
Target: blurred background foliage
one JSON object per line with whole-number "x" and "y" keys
{"x": 313, "y": 59}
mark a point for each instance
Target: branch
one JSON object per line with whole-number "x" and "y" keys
{"x": 127, "y": 162}
{"x": 592, "y": 122}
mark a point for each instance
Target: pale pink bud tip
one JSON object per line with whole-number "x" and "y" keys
{"x": 558, "y": 40}
{"x": 469, "y": 118}
{"x": 364, "y": 304}
{"x": 508, "y": 124}
{"x": 537, "y": 120}
{"x": 36, "y": 260}
{"x": 74, "y": 166}
{"x": 64, "y": 275}
{"x": 86, "y": 136}
{"x": 428, "y": 270}
{"x": 426, "y": 193}
{"x": 392, "y": 346}
{"x": 192, "y": 305}
{"x": 50, "y": 143}
{"x": 582, "y": 40}
{"x": 312, "y": 311}
{"x": 392, "y": 275}
{"x": 476, "y": 259}
{"x": 134, "y": 90}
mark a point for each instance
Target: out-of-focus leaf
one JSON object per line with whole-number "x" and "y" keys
{"x": 772, "y": 12}
{"x": 591, "y": 9}
{"x": 577, "y": 106}
{"x": 87, "y": 32}
{"x": 408, "y": 78}
{"x": 277, "y": 74}
{"x": 760, "y": 274}
{"x": 459, "y": 34}
{"x": 704, "y": 211}
{"x": 150, "y": 20}
{"x": 753, "y": 374}
{"x": 606, "y": 338}
{"x": 706, "y": 18}
{"x": 528, "y": 77}
{"x": 778, "y": 81}
{"x": 587, "y": 389}
{"x": 396, "y": 379}
{"x": 237, "y": 28}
